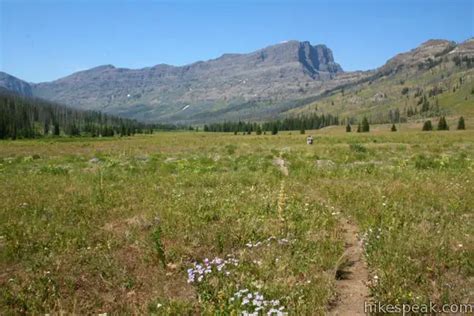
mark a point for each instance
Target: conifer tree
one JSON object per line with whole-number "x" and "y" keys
{"x": 56, "y": 129}
{"x": 394, "y": 128}
{"x": 359, "y": 128}
{"x": 365, "y": 125}
{"x": 427, "y": 126}
{"x": 461, "y": 125}
{"x": 274, "y": 129}
{"x": 442, "y": 124}
{"x": 46, "y": 128}
{"x": 426, "y": 104}
{"x": 348, "y": 128}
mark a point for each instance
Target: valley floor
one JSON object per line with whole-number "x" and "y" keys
{"x": 200, "y": 223}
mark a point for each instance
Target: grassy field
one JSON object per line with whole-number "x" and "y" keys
{"x": 192, "y": 223}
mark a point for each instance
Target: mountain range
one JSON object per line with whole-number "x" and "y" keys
{"x": 283, "y": 79}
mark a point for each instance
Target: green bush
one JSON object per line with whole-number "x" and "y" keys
{"x": 358, "y": 148}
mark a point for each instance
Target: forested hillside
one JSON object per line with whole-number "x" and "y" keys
{"x": 24, "y": 117}
{"x": 435, "y": 79}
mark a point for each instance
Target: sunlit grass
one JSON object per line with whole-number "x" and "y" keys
{"x": 114, "y": 225}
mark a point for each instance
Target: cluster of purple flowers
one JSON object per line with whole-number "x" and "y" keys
{"x": 200, "y": 270}
{"x": 256, "y": 304}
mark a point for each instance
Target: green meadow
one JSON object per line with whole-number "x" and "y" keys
{"x": 186, "y": 223}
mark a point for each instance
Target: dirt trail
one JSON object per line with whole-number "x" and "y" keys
{"x": 351, "y": 273}
{"x": 351, "y": 276}
{"x": 281, "y": 164}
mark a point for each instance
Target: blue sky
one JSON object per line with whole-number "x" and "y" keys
{"x": 44, "y": 40}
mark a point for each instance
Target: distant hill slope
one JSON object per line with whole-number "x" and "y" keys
{"x": 433, "y": 79}
{"x": 15, "y": 85}
{"x": 284, "y": 79}
{"x": 233, "y": 86}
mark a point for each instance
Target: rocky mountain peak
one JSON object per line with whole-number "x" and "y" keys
{"x": 431, "y": 49}
{"x": 433, "y": 43}
{"x": 318, "y": 58}
{"x": 98, "y": 69}
{"x": 465, "y": 48}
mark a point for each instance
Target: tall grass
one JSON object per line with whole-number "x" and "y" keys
{"x": 123, "y": 233}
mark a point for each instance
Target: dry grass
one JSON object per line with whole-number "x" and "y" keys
{"x": 92, "y": 236}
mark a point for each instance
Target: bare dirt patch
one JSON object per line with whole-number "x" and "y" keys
{"x": 281, "y": 164}
{"x": 351, "y": 275}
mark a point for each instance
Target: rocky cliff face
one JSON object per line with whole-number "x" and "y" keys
{"x": 274, "y": 74}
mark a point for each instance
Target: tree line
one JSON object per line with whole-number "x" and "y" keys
{"x": 24, "y": 117}
{"x": 443, "y": 125}
{"x": 364, "y": 126}
{"x": 301, "y": 122}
